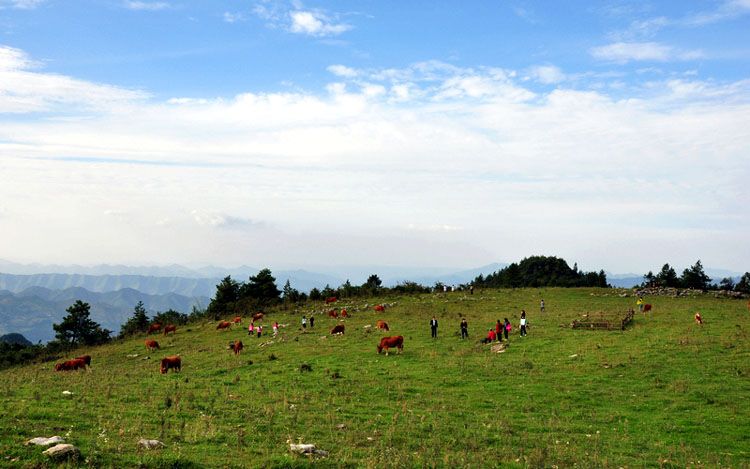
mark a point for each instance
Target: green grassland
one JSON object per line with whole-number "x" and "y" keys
{"x": 663, "y": 393}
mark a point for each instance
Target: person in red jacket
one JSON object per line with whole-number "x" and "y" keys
{"x": 490, "y": 337}
{"x": 499, "y": 330}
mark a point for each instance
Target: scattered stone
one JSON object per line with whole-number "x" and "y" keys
{"x": 42, "y": 441}
{"x": 150, "y": 444}
{"x": 573, "y": 356}
{"x": 306, "y": 448}
{"x": 499, "y": 348}
{"x": 61, "y": 451}
{"x": 132, "y": 355}
{"x": 67, "y": 393}
{"x": 341, "y": 426}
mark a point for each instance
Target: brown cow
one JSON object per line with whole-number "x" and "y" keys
{"x": 338, "y": 329}
{"x": 237, "y": 347}
{"x": 71, "y": 365}
{"x": 382, "y": 325}
{"x": 156, "y": 327}
{"x": 331, "y": 299}
{"x": 333, "y": 314}
{"x": 224, "y": 325}
{"x": 258, "y": 317}
{"x": 172, "y": 362}
{"x": 379, "y": 308}
{"x": 152, "y": 344}
{"x": 647, "y": 308}
{"x": 170, "y": 328}
{"x": 86, "y": 359}
{"x": 390, "y": 342}
{"x": 344, "y": 314}
{"x": 698, "y": 318}
{"x": 237, "y": 320}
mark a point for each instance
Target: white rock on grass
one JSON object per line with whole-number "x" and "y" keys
{"x": 42, "y": 441}
{"x": 306, "y": 448}
{"x": 150, "y": 444}
{"x": 61, "y": 451}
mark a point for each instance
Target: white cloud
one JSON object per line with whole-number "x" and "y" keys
{"x": 547, "y": 74}
{"x": 22, "y": 89}
{"x": 623, "y": 52}
{"x": 343, "y": 71}
{"x": 147, "y": 6}
{"x": 20, "y": 4}
{"x": 233, "y": 17}
{"x": 315, "y": 24}
{"x": 463, "y": 161}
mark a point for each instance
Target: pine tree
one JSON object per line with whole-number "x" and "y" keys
{"x": 137, "y": 323}
{"x": 77, "y": 328}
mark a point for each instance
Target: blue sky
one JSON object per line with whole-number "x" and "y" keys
{"x": 293, "y": 133}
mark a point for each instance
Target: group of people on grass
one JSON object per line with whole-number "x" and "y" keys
{"x": 258, "y": 329}
{"x": 502, "y": 328}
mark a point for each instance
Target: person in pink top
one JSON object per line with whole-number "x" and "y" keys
{"x": 259, "y": 329}
{"x": 250, "y": 329}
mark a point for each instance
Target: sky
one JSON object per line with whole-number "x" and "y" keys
{"x": 614, "y": 134}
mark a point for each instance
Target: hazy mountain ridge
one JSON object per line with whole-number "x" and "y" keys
{"x": 33, "y": 311}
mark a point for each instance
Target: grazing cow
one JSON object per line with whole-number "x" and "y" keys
{"x": 156, "y": 327}
{"x": 338, "y": 329}
{"x": 344, "y": 314}
{"x": 170, "y": 328}
{"x": 152, "y": 344}
{"x": 86, "y": 359}
{"x": 237, "y": 320}
{"x": 333, "y": 314}
{"x": 382, "y": 325}
{"x": 174, "y": 362}
{"x": 237, "y": 347}
{"x": 390, "y": 342}
{"x": 258, "y": 317}
{"x": 698, "y": 318}
{"x": 71, "y": 365}
{"x": 379, "y": 308}
{"x": 331, "y": 299}
{"x": 646, "y": 308}
{"x": 224, "y": 325}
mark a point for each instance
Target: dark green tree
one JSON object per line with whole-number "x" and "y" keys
{"x": 290, "y": 295}
{"x": 695, "y": 277}
{"x": 137, "y": 323}
{"x": 372, "y": 285}
{"x": 260, "y": 291}
{"x": 315, "y": 295}
{"x": 667, "y": 277}
{"x": 77, "y": 328}
{"x": 225, "y": 300}
{"x": 171, "y": 316}
{"x": 727, "y": 283}
{"x": 649, "y": 279}
{"x": 743, "y": 286}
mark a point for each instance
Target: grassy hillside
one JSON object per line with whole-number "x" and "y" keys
{"x": 666, "y": 392}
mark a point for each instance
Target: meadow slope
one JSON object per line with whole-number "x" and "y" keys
{"x": 664, "y": 393}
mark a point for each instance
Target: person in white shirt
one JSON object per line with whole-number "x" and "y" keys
{"x": 523, "y": 323}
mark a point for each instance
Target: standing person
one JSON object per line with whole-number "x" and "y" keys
{"x": 464, "y": 329}
{"x": 541, "y": 305}
{"x": 639, "y": 302}
{"x": 499, "y": 330}
{"x": 260, "y": 329}
{"x": 312, "y": 321}
{"x": 304, "y": 322}
{"x": 275, "y": 328}
{"x": 250, "y": 329}
{"x": 433, "y": 327}
{"x": 523, "y": 323}
{"x": 507, "y": 328}
{"x": 471, "y": 289}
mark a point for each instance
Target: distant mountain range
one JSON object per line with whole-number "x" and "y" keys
{"x": 32, "y": 311}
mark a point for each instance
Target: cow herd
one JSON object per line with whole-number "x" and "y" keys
{"x": 174, "y": 362}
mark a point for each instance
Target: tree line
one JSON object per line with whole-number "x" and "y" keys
{"x": 694, "y": 277}
{"x": 542, "y": 271}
